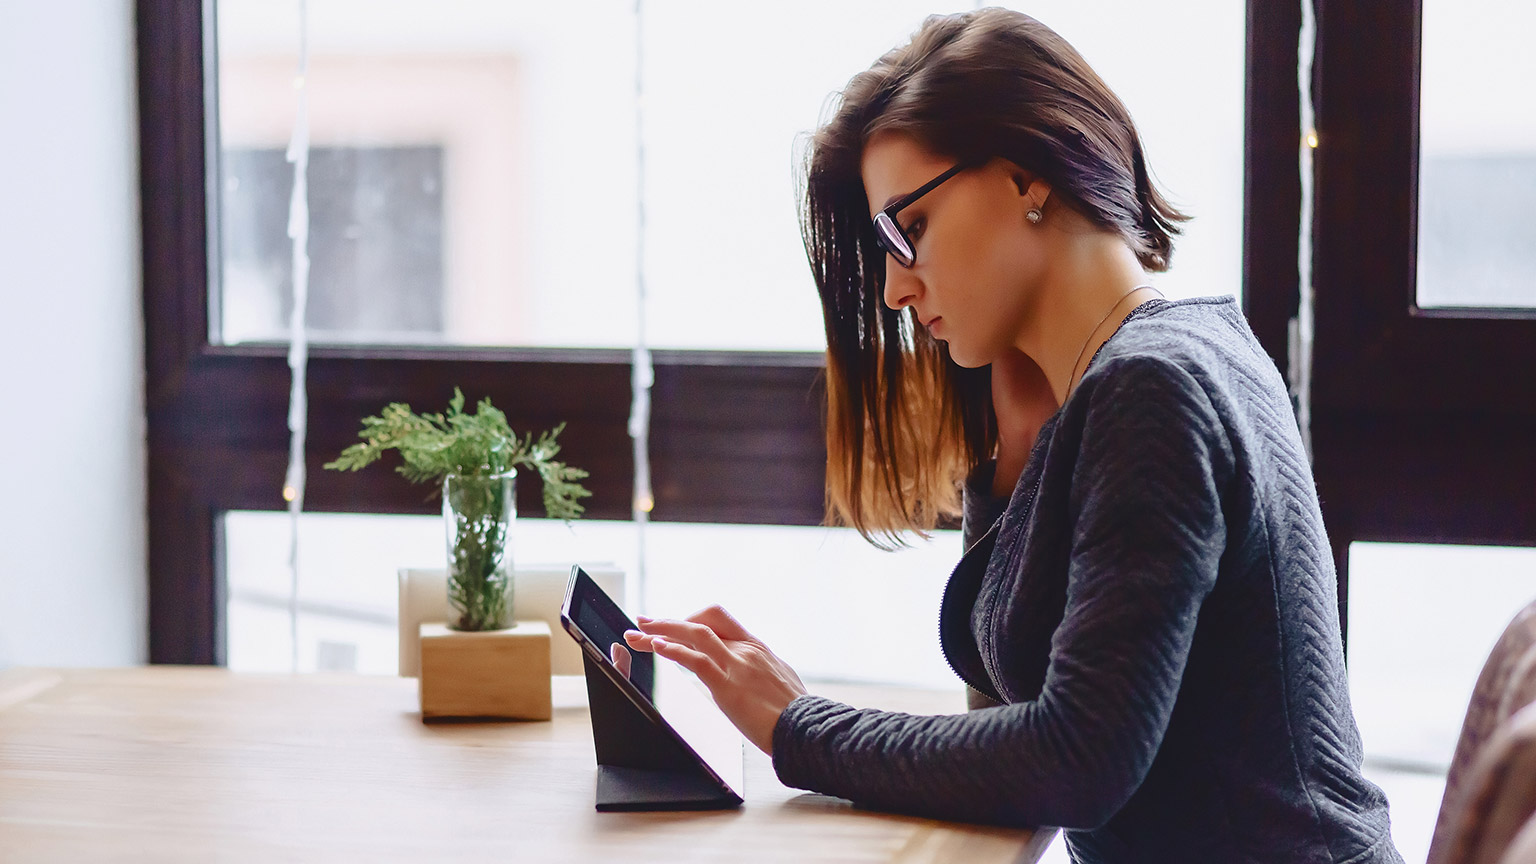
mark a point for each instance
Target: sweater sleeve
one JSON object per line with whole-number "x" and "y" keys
{"x": 1147, "y": 537}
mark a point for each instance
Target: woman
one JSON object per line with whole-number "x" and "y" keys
{"x": 1146, "y": 608}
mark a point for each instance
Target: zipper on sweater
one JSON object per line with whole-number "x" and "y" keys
{"x": 986, "y": 656}
{"x": 974, "y": 685}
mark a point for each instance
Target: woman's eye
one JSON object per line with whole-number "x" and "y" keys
{"x": 915, "y": 230}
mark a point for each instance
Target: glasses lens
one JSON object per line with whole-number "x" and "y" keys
{"x": 893, "y": 240}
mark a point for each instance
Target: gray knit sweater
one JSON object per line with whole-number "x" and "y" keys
{"x": 1157, "y": 609}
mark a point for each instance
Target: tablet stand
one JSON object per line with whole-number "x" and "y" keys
{"x": 640, "y": 766}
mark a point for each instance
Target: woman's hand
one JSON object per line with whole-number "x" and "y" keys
{"x": 750, "y": 684}
{"x": 1022, "y": 400}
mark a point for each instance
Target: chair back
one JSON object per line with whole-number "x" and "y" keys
{"x": 1499, "y": 796}
{"x": 1522, "y": 849}
{"x": 1506, "y": 685}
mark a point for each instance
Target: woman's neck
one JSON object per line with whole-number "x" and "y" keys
{"x": 1083, "y": 298}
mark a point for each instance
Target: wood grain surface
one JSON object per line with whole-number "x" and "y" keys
{"x": 171, "y": 764}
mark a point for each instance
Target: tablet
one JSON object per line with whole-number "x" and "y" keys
{"x": 681, "y": 718}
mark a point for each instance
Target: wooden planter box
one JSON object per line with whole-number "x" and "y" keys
{"x": 501, "y": 674}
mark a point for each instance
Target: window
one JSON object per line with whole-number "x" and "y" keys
{"x": 1423, "y": 413}
{"x": 460, "y": 152}
{"x": 377, "y": 237}
{"x": 1477, "y": 161}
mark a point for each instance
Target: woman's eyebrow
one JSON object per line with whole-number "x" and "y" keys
{"x": 888, "y": 202}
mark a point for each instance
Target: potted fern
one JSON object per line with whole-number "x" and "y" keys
{"x": 474, "y": 458}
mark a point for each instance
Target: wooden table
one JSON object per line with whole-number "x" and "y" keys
{"x": 169, "y": 764}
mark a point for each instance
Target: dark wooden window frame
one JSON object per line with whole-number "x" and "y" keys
{"x": 736, "y": 437}
{"x": 1423, "y": 420}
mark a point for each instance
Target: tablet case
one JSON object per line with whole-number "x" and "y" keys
{"x": 639, "y": 766}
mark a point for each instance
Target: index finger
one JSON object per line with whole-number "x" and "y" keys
{"x": 692, "y": 634}
{"x": 638, "y": 640}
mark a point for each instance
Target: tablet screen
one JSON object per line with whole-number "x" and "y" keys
{"x": 604, "y": 624}
{"x": 667, "y": 690}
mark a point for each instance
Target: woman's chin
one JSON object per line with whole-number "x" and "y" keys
{"x": 964, "y": 358}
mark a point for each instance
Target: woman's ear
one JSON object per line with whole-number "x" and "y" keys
{"x": 1034, "y": 190}
{"x": 1039, "y": 192}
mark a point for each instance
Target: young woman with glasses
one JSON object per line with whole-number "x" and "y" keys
{"x": 1146, "y": 610}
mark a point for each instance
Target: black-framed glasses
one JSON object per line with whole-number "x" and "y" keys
{"x": 891, "y": 236}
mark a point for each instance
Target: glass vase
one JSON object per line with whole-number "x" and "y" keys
{"x": 478, "y": 511}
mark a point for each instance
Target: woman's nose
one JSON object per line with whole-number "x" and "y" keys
{"x": 901, "y": 285}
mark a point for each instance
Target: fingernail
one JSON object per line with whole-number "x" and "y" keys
{"x": 642, "y": 618}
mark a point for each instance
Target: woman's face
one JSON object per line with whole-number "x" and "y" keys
{"x": 978, "y": 258}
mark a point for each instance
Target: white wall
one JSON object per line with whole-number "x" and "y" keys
{"x": 72, "y": 514}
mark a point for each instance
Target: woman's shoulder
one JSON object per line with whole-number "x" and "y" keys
{"x": 1183, "y": 330}
{"x": 1190, "y": 366}
{"x": 1202, "y": 341}
{"x": 1155, "y": 400}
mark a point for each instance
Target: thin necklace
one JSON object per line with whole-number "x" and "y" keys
{"x": 1095, "y": 329}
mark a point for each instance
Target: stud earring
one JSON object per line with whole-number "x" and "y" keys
{"x": 1034, "y": 215}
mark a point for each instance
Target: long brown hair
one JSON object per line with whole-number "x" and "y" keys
{"x": 904, "y": 423}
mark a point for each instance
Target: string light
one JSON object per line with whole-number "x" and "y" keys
{"x": 298, "y": 341}
{"x": 1299, "y": 331}
{"x": 642, "y": 371}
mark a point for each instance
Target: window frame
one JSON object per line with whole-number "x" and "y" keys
{"x": 736, "y": 437}
{"x": 1414, "y": 440}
